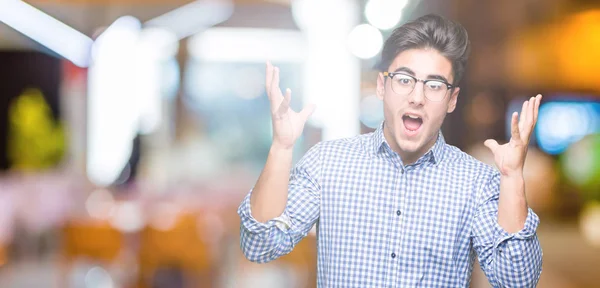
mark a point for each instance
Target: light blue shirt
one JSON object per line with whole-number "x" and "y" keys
{"x": 384, "y": 224}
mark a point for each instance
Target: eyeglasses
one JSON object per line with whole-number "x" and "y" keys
{"x": 403, "y": 84}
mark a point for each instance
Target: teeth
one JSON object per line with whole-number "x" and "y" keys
{"x": 413, "y": 117}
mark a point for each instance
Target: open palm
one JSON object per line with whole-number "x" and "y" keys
{"x": 287, "y": 124}
{"x": 510, "y": 157}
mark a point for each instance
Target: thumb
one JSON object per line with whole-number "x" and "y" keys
{"x": 307, "y": 111}
{"x": 492, "y": 144}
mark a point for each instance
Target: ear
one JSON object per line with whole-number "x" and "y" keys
{"x": 453, "y": 99}
{"x": 380, "y": 91}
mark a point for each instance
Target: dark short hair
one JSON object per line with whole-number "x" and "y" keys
{"x": 430, "y": 31}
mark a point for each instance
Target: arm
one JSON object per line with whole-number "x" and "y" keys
{"x": 512, "y": 205}
{"x": 264, "y": 241}
{"x": 269, "y": 195}
{"x": 504, "y": 227}
{"x": 281, "y": 208}
{"x": 508, "y": 259}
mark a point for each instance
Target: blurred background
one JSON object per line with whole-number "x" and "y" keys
{"x": 130, "y": 130}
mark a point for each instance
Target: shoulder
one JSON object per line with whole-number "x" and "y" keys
{"x": 483, "y": 179}
{"x": 482, "y": 175}
{"x": 457, "y": 158}
{"x": 356, "y": 145}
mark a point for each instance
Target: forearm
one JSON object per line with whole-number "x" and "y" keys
{"x": 270, "y": 194}
{"x": 517, "y": 253}
{"x": 512, "y": 203}
{"x": 504, "y": 234}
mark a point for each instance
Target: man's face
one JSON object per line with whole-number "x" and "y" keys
{"x": 412, "y": 121}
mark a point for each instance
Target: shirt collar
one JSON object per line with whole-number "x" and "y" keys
{"x": 435, "y": 153}
{"x": 378, "y": 139}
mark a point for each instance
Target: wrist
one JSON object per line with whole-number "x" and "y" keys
{"x": 513, "y": 183}
{"x": 516, "y": 177}
{"x": 277, "y": 148}
{"x": 512, "y": 174}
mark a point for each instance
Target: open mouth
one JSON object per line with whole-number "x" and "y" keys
{"x": 412, "y": 123}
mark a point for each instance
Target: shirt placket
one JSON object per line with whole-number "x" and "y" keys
{"x": 394, "y": 252}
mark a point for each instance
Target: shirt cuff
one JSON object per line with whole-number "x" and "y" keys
{"x": 529, "y": 230}
{"x": 254, "y": 226}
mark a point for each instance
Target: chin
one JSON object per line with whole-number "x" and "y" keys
{"x": 408, "y": 144}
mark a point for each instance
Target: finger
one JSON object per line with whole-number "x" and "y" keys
{"x": 307, "y": 111}
{"x": 515, "y": 134}
{"x": 538, "y": 100}
{"x": 268, "y": 78}
{"x": 492, "y": 144}
{"x": 523, "y": 114}
{"x": 285, "y": 103}
{"x": 274, "y": 90}
{"x": 531, "y": 109}
{"x": 526, "y": 123}
{"x": 275, "y": 84}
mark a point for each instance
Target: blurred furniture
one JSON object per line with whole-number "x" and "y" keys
{"x": 3, "y": 256}
{"x": 96, "y": 240}
{"x": 89, "y": 240}
{"x": 176, "y": 252}
{"x": 303, "y": 259}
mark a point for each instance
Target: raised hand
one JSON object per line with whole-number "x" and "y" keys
{"x": 510, "y": 157}
{"x": 287, "y": 124}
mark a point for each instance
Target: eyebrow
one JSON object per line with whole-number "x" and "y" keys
{"x": 412, "y": 73}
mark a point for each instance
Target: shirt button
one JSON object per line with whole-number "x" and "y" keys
{"x": 398, "y": 212}
{"x": 393, "y": 255}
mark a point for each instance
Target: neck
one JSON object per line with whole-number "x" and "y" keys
{"x": 407, "y": 157}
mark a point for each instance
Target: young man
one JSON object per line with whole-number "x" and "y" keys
{"x": 399, "y": 207}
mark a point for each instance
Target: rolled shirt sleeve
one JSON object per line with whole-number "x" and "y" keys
{"x": 264, "y": 242}
{"x": 507, "y": 259}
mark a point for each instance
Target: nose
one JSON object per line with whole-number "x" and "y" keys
{"x": 417, "y": 96}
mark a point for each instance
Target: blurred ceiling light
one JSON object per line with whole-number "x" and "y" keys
{"x": 247, "y": 45}
{"x": 127, "y": 78}
{"x": 317, "y": 14}
{"x": 124, "y": 29}
{"x": 194, "y": 17}
{"x": 155, "y": 47}
{"x": 46, "y": 30}
{"x": 325, "y": 26}
{"x": 384, "y": 14}
{"x": 158, "y": 43}
{"x": 112, "y": 98}
{"x": 365, "y": 41}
